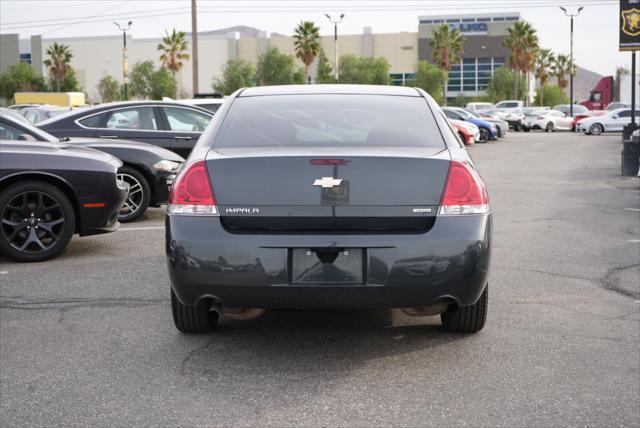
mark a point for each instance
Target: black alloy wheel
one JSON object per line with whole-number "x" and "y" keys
{"x": 484, "y": 135}
{"x": 137, "y": 201}
{"x": 37, "y": 221}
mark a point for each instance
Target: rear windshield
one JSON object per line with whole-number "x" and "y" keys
{"x": 329, "y": 120}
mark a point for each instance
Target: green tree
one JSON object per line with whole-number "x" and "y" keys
{"x": 237, "y": 74}
{"x": 276, "y": 68}
{"x": 174, "y": 52}
{"x": 522, "y": 43}
{"x": 364, "y": 71}
{"x": 58, "y": 62}
{"x": 324, "y": 73}
{"x": 109, "y": 89}
{"x": 502, "y": 85}
{"x": 553, "y": 94}
{"x": 306, "y": 42}
{"x": 69, "y": 83}
{"x": 20, "y": 77}
{"x": 561, "y": 67}
{"x": 447, "y": 44}
{"x": 146, "y": 82}
{"x": 544, "y": 62}
{"x": 430, "y": 78}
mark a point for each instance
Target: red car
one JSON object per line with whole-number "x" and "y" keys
{"x": 468, "y": 132}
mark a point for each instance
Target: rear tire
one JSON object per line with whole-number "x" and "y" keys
{"x": 193, "y": 319}
{"x": 549, "y": 127}
{"x": 467, "y": 319}
{"x": 498, "y": 132}
{"x": 484, "y": 135}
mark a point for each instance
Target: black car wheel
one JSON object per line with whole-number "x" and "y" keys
{"x": 137, "y": 202}
{"x": 549, "y": 127}
{"x": 484, "y": 135}
{"x": 596, "y": 129}
{"x": 467, "y": 319}
{"x": 193, "y": 319}
{"x": 37, "y": 221}
{"x": 498, "y": 132}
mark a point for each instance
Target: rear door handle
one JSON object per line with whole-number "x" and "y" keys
{"x": 112, "y": 137}
{"x": 181, "y": 138}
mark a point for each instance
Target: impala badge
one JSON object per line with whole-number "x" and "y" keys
{"x": 327, "y": 182}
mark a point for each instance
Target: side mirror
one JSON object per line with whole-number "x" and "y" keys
{"x": 26, "y": 137}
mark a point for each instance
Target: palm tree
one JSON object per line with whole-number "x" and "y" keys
{"x": 307, "y": 44}
{"x": 447, "y": 48}
{"x": 544, "y": 62}
{"x": 522, "y": 43}
{"x": 562, "y": 67}
{"x": 58, "y": 62}
{"x": 175, "y": 50}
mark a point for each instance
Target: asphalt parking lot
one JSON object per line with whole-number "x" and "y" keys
{"x": 87, "y": 338}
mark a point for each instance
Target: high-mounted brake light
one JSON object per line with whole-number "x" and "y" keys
{"x": 191, "y": 193}
{"x": 464, "y": 192}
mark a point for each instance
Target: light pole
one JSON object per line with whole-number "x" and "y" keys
{"x": 125, "y": 63}
{"x": 335, "y": 38}
{"x": 571, "y": 15}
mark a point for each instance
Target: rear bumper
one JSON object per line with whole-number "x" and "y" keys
{"x": 450, "y": 262}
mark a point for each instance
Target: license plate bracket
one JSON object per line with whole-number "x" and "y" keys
{"x": 330, "y": 266}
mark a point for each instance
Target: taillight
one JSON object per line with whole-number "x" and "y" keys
{"x": 464, "y": 192}
{"x": 191, "y": 193}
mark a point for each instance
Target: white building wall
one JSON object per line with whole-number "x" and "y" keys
{"x": 96, "y": 57}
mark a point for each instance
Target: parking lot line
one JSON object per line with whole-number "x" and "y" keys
{"x": 634, "y": 240}
{"x": 122, "y": 229}
{"x": 632, "y": 209}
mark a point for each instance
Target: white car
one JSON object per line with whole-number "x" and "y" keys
{"x": 547, "y": 120}
{"x": 479, "y": 108}
{"x": 612, "y": 121}
{"x": 510, "y": 105}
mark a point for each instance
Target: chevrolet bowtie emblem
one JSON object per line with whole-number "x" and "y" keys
{"x": 327, "y": 182}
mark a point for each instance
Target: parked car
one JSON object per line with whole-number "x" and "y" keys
{"x": 509, "y": 105}
{"x": 149, "y": 170}
{"x": 479, "y": 108}
{"x": 488, "y": 131}
{"x": 502, "y": 126}
{"x": 326, "y": 196}
{"x": 36, "y": 114}
{"x": 51, "y": 191}
{"x": 510, "y": 111}
{"x": 171, "y": 125}
{"x": 613, "y": 121}
{"x": 467, "y": 131}
{"x": 211, "y": 104}
{"x": 547, "y": 120}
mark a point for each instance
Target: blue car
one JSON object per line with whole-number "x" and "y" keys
{"x": 488, "y": 131}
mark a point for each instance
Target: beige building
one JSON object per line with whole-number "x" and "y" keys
{"x": 96, "y": 57}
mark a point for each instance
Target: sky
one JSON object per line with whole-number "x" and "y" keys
{"x": 595, "y": 43}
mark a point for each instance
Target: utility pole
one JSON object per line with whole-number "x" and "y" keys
{"x": 194, "y": 45}
{"x": 571, "y": 15}
{"x": 335, "y": 41}
{"x": 125, "y": 62}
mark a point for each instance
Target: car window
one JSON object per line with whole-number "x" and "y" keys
{"x": 31, "y": 116}
{"x": 186, "y": 120}
{"x": 558, "y": 113}
{"x": 91, "y": 121}
{"x": 507, "y": 105}
{"x": 8, "y": 132}
{"x": 452, "y": 115}
{"x": 132, "y": 118}
{"x": 329, "y": 120}
{"x": 625, "y": 113}
{"x": 211, "y": 107}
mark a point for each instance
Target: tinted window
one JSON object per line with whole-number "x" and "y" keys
{"x": 185, "y": 120}
{"x": 329, "y": 120}
{"x": 507, "y": 105}
{"x": 132, "y": 118}
{"x": 92, "y": 121}
{"x": 211, "y": 107}
{"x": 452, "y": 115}
{"x": 31, "y": 116}
{"x": 8, "y": 132}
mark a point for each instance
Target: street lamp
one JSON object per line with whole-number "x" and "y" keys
{"x": 335, "y": 38}
{"x": 571, "y": 15}
{"x": 125, "y": 63}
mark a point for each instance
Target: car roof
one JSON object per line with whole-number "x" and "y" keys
{"x": 329, "y": 89}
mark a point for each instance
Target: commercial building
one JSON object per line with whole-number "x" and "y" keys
{"x": 96, "y": 57}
